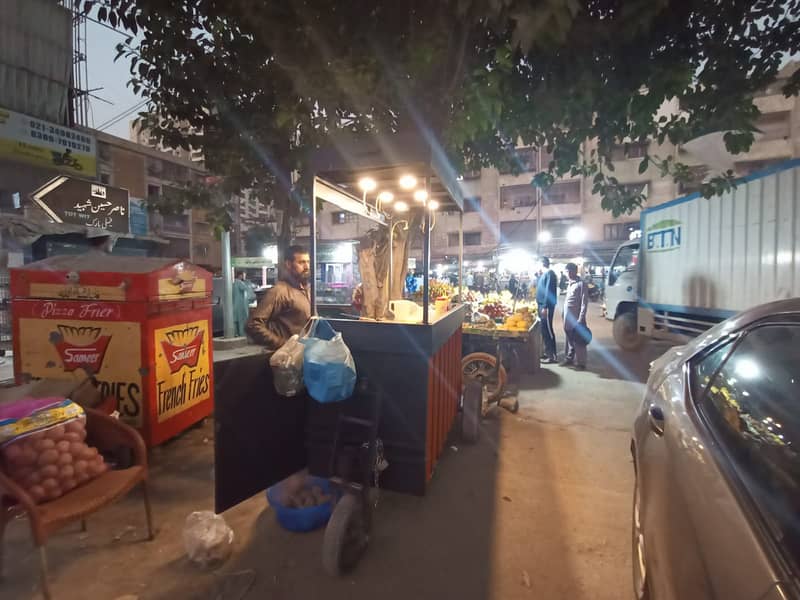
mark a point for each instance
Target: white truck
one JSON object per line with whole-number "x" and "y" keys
{"x": 699, "y": 261}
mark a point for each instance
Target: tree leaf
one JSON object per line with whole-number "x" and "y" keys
{"x": 644, "y": 164}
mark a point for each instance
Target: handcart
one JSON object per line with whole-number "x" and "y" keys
{"x": 355, "y": 465}
{"x": 495, "y": 357}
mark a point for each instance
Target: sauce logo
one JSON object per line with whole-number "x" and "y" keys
{"x": 182, "y": 347}
{"x": 81, "y": 347}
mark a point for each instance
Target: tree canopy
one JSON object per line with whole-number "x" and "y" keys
{"x": 258, "y": 84}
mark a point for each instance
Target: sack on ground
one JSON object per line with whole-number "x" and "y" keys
{"x": 287, "y": 367}
{"x": 45, "y": 451}
{"x": 329, "y": 370}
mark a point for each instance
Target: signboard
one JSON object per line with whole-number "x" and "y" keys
{"x": 182, "y": 368}
{"x": 66, "y": 336}
{"x": 46, "y": 144}
{"x": 251, "y": 262}
{"x": 139, "y": 218}
{"x": 81, "y": 202}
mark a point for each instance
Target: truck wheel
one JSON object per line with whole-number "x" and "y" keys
{"x": 626, "y": 332}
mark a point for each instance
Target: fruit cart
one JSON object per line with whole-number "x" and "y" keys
{"x": 496, "y": 356}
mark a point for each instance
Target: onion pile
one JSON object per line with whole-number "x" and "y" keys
{"x": 49, "y": 463}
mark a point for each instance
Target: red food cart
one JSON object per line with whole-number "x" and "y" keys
{"x": 140, "y": 326}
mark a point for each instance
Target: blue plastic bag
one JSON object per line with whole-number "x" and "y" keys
{"x": 329, "y": 371}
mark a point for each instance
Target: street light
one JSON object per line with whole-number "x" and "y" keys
{"x": 545, "y": 236}
{"x": 576, "y": 235}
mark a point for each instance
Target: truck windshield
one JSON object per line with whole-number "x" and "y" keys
{"x": 626, "y": 260}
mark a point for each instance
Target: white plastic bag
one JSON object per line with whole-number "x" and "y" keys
{"x": 207, "y": 539}
{"x": 287, "y": 367}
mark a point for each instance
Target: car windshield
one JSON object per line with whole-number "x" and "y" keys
{"x": 752, "y": 405}
{"x": 626, "y": 260}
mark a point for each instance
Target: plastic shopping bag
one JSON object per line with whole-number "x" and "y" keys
{"x": 287, "y": 367}
{"x": 329, "y": 370}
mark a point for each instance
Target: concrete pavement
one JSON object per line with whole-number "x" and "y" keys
{"x": 539, "y": 508}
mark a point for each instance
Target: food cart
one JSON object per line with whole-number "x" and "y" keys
{"x": 413, "y": 366}
{"x": 139, "y": 326}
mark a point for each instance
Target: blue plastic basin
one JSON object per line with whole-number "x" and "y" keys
{"x": 301, "y": 519}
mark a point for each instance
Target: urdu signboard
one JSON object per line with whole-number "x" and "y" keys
{"x": 81, "y": 202}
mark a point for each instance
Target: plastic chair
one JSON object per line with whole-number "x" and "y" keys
{"x": 106, "y": 434}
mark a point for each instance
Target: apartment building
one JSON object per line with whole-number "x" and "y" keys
{"x": 148, "y": 173}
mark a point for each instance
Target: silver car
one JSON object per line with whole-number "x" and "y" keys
{"x": 716, "y": 449}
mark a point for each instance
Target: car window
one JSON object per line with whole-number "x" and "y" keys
{"x": 752, "y": 406}
{"x": 704, "y": 368}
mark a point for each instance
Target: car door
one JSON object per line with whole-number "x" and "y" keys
{"x": 700, "y": 537}
{"x": 748, "y": 517}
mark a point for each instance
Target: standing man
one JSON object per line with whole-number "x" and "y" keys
{"x": 243, "y": 295}
{"x": 576, "y": 304}
{"x": 546, "y": 301}
{"x": 286, "y": 307}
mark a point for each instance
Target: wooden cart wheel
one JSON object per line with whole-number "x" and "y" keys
{"x": 471, "y": 411}
{"x": 480, "y": 367}
{"x": 345, "y": 537}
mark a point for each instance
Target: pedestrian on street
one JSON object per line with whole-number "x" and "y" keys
{"x": 576, "y": 305}
{"x": 546, "y": 301}
{"x": 513, "y": 285}
{"x": 286, "y": 307}
{"x": 243, "y": 295}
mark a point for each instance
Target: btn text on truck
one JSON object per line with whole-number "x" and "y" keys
{"x": 698, "y": 261}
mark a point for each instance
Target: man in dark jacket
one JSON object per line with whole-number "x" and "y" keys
{"x": 286, "y": 307}
{"x": 546, "y": 300}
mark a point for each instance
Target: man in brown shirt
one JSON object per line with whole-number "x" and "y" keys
{"x": 286, "y": 307}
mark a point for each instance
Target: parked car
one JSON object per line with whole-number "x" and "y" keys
{"x": 716, "y": 448}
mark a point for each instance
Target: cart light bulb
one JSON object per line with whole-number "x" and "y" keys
{"x": 400, "y": 206}
{"x": 385, "y": 197}
{"x": 367, "y": 184}
{"x": 433, "y": 205}
{"x": 408, "y": 182}
{"x": 420, "y": 195}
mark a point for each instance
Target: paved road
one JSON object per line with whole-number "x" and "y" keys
{"x": 539, "y": 508}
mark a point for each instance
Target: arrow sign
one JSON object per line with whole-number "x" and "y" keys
{"x": 81, "y": 202}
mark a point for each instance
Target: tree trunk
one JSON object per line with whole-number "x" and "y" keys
{"x": 373, "y": 264}
{"x": 400, "y": 245}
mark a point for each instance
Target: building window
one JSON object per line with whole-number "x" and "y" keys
{"x": 342, "y": 217}
{"x": 558, "y": 228}
{"x": 619, "y": 231}
{"x": 526, "y": 159}
{"x": 473, "y": 238}
{"x": 562, "y": 193}
{"x": 774, "y": 126}
{"x": 153, "y": 191}
{"x": 472, "y": 204}
{"x": 516, "y": 196}
{"x": 105, "y": 178}
{"x": 696, "y": 176}
{"x": 175, "y": 223}
{"x": 629, "y": 150}
{"x": 452, "y": 239}
{"x": 748, "y": 167}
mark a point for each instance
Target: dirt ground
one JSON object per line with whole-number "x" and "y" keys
{"x": 539, "y": 508}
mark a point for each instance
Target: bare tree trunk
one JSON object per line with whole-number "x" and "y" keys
{"x": 400, "y": 258}
{"x": 373, "y": 264}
